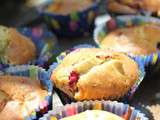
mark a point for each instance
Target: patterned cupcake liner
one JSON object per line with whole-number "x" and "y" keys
{"x": 45, "y": 43}
{"x": 71, "y": 25}
{"x": 115, "y": 107}
{"x": 106, "y": 24}
{"x": 34, "y": 72}
{"x": 126, "y": 98}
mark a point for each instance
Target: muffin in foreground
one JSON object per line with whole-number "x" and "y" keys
{"x": 91, "y": 73}
{"x": 94, "y": 115}
{"x": 79, "y": 110}
{"x": 15, "y": 48}
{"x": 135, "y": 40}
{"x": 25, "y": 93}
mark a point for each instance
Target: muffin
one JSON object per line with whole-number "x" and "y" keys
{"x": 92, "y": 73}
{"x": 15, "y": 48}
{"x": 19, "y": 96}
{"x": 65, "y": 7}
{"x": 94, "y": 115}
{"x": 70, "y": 18}
{"x": 136, "y": 40}
{"x": 133, "y": 6}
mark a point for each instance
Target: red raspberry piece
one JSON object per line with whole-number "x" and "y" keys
{"x": 74, "y": 76}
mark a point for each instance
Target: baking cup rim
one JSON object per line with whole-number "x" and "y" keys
{"x": 93, "y": 102}
{"x": 47, "y": 99}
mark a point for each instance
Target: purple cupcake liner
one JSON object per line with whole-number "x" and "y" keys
{"x": 125, "y": 21}
{"x": 115, "y": 107}
{"x": 45, "y": 43}
{"x": 71, "y": 25}
{"x": 39, "y": 73}
{"x": 125, "y": 98}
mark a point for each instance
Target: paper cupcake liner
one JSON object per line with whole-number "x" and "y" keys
{"x": 126, "y": 98}
{"x": 35, "y": 73}
{"x": 125, "y": 21}
{"x": 71, "y": 25}
{"x": 45, "y": 42}
{"x": 115, "y": 107}
{"x": 151, "y": 62}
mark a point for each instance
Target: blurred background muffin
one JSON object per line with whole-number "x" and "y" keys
{"x": 65, "y": 7}
{"x": 134, "y": 6}
{"x": 15, "y": 49}
{"x": 69, "y": 17}
{"x": 131, "y": 34}
{"x": 133, "y": 40}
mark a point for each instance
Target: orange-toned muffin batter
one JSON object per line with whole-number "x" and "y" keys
{"x": 64, "y": 7}
{"x": 92, "y": 73}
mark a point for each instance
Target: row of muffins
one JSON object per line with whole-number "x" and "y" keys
{"x": 82, "y": 61}
{"x": 25, "y": 90}
{"x": 85, "y": 71}
{"x": 102, "y": 60}
{"x": 79, "y": 80}
{"x": 68, "y": 16}
{"x": 105, "y": 60}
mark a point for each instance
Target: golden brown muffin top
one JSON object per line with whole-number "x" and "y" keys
{"x": 88, "y": 71}
{"x": 15, "y": 48}
{"x": 19, "y": 96}
{"x": 121, "y": 6}
{"x": 21, "y": 47}
{"x": 65, "y": 7}
{"x": 136, "y": 40}
{"x": 94, "y": 115}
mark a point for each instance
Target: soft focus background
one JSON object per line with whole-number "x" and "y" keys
{"x": 19, "y": 13}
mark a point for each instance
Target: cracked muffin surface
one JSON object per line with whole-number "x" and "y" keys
{"x": 19, "y": 97}
{"x": 135, "y": 40}
{"x": 91, "y": 73}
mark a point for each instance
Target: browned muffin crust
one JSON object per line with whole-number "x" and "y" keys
{"x": 20, "y": 49}
{"x": 65, "y": 7}
{"x": 136, "y": 40}
{"x": 90, "y": 73}
{"x": 19, "y": 96}
{"x": 133, "y": 6}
